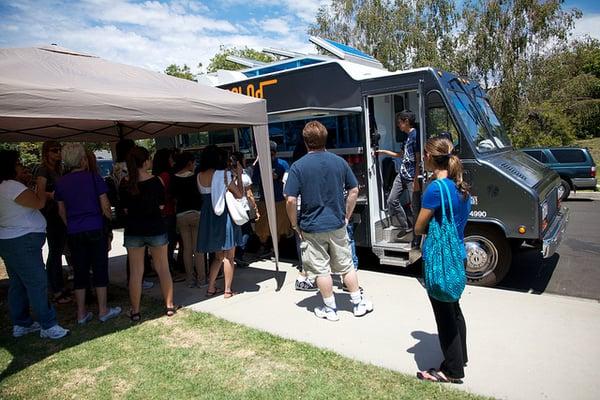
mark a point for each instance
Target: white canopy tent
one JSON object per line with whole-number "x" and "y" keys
{"x": 54, "y": 93}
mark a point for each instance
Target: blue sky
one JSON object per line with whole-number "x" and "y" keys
{"x": 154, "y": 34}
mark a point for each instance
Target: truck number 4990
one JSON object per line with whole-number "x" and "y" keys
{"x": 478, "y": 214}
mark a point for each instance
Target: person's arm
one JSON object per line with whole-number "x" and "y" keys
{"x": 235, "y": 186}
{"x": 252, "y": 201}
{"x": 423, "y": 219}
{"x": 351, "y": 203}
{"x": 389, "y": 153}
{"x": 29, "y": 198}
{"x": 291, "y": 207}
{"x": 62, "y": 211}
{"x": 105, "y": 206}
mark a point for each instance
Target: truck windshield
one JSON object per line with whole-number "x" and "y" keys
{"x": 498, "y": 132}
{"x": 469, "y": 115}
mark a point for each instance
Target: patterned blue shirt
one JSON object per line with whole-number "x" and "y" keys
{"x": 412, "y": 146}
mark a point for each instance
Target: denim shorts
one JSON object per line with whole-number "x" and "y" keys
{"x": 142, "y": 241}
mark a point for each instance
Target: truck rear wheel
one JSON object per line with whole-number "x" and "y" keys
{"x": 488, "y": 255}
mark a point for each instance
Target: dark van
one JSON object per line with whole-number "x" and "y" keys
{"x": 574, "y": 165}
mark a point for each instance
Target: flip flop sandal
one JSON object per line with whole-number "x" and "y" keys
{"x": 229, "y": 294}
{"x": 135, "y": 317}
{"x": 438, "y": 376}
{"x": 170, "y": 311}
{"x": 214, "y": 292}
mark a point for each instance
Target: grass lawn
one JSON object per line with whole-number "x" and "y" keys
{"x": 191, "y": 355}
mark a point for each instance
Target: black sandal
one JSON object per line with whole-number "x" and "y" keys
{"x": 434, "y": 375}
{"x": 135, "y": 317}
{"x": 170, "y": 311}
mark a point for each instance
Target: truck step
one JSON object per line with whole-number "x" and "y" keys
{"x": 396, "y": 254}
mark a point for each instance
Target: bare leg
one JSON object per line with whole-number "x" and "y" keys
{"x": 101, "y": 294}
{"x": 228, "y": 269}
{"x": 81, "y": 309}
{"x": 161, "y": 265}
{"x": 136, "y": 267}
{"x": 351, "y": 281}
{"x": 200, "y": 268}
{"x": 325, "y": 285}
{"x": 215, "y": 267}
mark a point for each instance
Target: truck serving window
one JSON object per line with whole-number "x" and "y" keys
{"x": 468, "y": 114}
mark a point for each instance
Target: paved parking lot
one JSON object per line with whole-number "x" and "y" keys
{"x": 575, "y": 269}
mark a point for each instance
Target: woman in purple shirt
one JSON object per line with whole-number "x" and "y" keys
{"x": 82, "y": 201}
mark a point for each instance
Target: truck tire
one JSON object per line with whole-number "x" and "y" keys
{"x": 566, "y": 189}
{"x": 489, "y": 254}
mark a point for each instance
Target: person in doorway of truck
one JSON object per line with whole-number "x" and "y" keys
{"x": 143, "y": 198}
{"x": 280, "y": 169}
{"x": 320, "y": 178}
{"x": 404, "y": 200}
{"x": 22, "y": 235}
{"x": 452, "y": 331}
{"x": 47, "y": 175}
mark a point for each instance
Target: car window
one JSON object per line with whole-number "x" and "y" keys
{"x": 537, "y": 154}
{"x": 568, "y": 155}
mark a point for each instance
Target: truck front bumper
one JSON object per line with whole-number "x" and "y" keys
{"x": 555, "y": 232}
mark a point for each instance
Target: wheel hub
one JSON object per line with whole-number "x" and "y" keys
{"x": 482, "y": 257}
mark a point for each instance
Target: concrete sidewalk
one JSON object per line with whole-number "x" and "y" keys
{"x": 521, "y": 346}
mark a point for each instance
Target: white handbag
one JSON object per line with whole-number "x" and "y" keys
{"x": 238, "y": 213}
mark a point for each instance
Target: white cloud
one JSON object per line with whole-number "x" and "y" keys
{"x": 589, "y": 25}
{"x": 275, "y": 25}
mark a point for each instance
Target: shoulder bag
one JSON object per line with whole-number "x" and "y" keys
{"x": 238, "y": 214}
{"x": 444, "y": 255}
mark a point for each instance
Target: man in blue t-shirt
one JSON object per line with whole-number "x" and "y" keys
{"x": 280, "y": 169}
{"x": 404, "y": 200}
{"x": 320, "y": 178}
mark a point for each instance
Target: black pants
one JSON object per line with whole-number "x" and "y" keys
{"x": 452, "y": 332}
{"x": 57, "y": 237}
{"x": 90, "y": 252}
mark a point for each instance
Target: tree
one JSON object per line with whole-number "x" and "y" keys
{"x": 183, "y": 72}
{"x": 219, "y": 60}
{"x": 401, "y": 34}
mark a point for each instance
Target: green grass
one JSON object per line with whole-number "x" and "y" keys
{"x": 191, "y": 355}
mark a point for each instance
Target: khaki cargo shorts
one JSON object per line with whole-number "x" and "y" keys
{"x": 325, "y": 253}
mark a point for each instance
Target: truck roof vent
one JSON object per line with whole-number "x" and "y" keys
{"x": 513, "y": 170}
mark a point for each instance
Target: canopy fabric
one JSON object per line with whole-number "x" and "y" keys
{"x": 55, "y": 93}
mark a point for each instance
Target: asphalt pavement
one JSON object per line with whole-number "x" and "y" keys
{"x": 575, "y": 268}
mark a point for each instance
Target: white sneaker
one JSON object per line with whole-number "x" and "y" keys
{"x": 147, "y": 285}
{"x": 19, "y": 330}
{"x": 112, "y": 312}
{"x": 88, "y": 317}
{"x": 55, "y": 332}
{"x": 328, "y": 313}
{"x": 364, "y": 307}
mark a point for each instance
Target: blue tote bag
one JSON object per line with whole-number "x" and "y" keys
{"x": 444, "y": 255}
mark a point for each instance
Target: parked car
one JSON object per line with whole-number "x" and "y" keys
{"x": 575, "y": 166}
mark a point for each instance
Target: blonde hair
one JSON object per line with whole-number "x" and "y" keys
{"x": 72, "y": 155}
{"x": 441, "y": 151}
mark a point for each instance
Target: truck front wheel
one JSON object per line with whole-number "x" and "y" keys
{"x": 488, "y": 255}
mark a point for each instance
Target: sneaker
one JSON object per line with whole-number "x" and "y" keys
{"x": 112, "y": 312}
{"x": 329, "y": 314}
{"x": 306, "y": 286}
{"x": 56, "y": 332}
{"x": 403, "y": 234}
{"x": 88, "y": 317}
{"x": 364, "y": 307}
{"x": 19, "y": 330}
{"x": 147, "y": 285}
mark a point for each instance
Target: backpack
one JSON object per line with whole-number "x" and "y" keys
{"x": 444, "y": 255}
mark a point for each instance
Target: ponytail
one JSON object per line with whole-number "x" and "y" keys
{"x": 135, "y": 160}
{"x": 442, "y": 155}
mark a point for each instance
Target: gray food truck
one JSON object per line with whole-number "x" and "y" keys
{"x": 515, "y": 199}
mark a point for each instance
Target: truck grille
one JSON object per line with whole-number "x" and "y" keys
{"x": 552, "y": 201}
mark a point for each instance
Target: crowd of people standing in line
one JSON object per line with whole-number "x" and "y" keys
{"x": 315, "y": 198}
